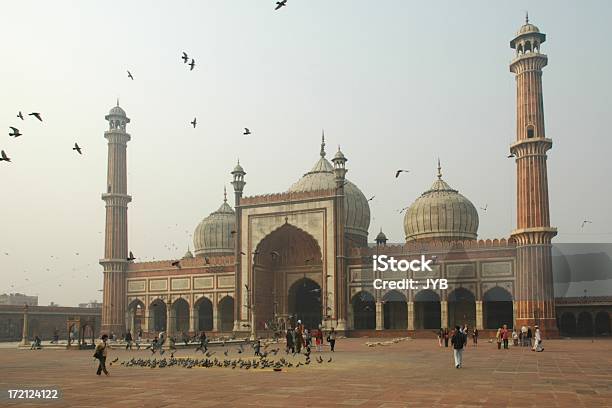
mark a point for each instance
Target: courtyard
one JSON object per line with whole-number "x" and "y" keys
{"x": 409, "y": 373}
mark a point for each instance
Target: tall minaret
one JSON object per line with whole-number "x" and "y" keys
{"x": 535, "y": 300}
{"x": 116, "y": 237}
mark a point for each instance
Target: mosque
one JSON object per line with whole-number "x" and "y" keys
{"x": 305, "y": 253}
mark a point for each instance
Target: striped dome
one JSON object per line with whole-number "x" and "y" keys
{"x": 441, "y": 213}
{"x": 213, "y": 235}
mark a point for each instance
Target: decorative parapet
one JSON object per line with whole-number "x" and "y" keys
{"x": 434, "y": 246}
{"x": 286, "y": 196}
{"x": 197, "y": 262}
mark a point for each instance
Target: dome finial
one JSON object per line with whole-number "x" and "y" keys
{"x": 439, "y": 170}
{"x": 526, "y": 17}
{"x": 117, "y": 101}
{"x": 323, "y": 143}
{"x": 224, "y": 194}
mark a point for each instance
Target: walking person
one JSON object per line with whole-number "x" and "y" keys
{"x": 446, "y": 337}
{"x": 320, "y": 340}
{"x": 203, "y": 343}
{"x": 128, "y": 340}
{"x": 505, "y": 334}
{"x": 331, "y": 339}
{"x": 529, "y": 336}
{"x": 290, "y": 345}
{"x": 458, "y": 341}
{"x": 101, "y": 354}
{"x": 515, "y": 338}
{"x": 475, "y": 337}
{"x": 440, "y": 335}
{"x": 537, "y": 344}
{"x": 498, "y": 338}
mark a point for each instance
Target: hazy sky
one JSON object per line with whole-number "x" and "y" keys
{"x": 395, "y": 83}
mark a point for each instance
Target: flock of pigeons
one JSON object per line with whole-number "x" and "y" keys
{"x": 16, "y": 133}
{"x": 186, "y": 60}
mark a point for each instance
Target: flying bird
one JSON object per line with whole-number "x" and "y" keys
{"x": 14, "y": 132}
{"x": 131, "y": 257}
{"x": 485, "y": 207}
{"x": 511, "y": 155}
{"x": 177, "y": 264}
{"x": 585, "y": 222}
{"x": 371, "y": 198}
{"x": 194, "y": 122}
{"x": 36, "y": 115}
{"x": 77, "y": 148}
{"x": 280, "y": 4}
{"x": 4, "y": 157}
{"x": 274, "y": 254}
{"x": 185, "y": 58}
{"x": 397, "y": 173}
{"x": 402, "y": 210}
{"x": 130, "y": 75}
{"x": 191, "y": 64}
{"x": 20, "y": 115}
{"x": 246, "y": 131}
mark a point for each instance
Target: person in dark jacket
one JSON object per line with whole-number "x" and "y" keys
{"x": 128, "y": 340}
{"x": 290, "y": 345}
{"x": 458, "y": 341}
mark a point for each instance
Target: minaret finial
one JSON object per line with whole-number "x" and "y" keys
{"x": 526, "y": 17}
{"x": 224, "y": 194}
{"x": 439, "y": 170}
{"x": 323, "y": 143}
{"x": 117, "y": 101}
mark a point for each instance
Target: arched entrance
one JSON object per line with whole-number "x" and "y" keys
{"x": 205, "y": 314}
{"x": 364, "y": 311}
{"x": 395, "y": 310}
{"x": 305, "y": 303}
{"x": 497, "y": 308}
{"x": 157, "y": 315}
{"x": 181, "y": 316}
{"x": 462, "y": 308}
{"x": 288, "y": 274}
{"x": 585, "y": 324}
{"x": 568, "y": 324}
{"x": 427, "y": 314}
{"x": 135, "y": 314}
{"x": 226, "y": 314}
{"x": 602, "y": 324}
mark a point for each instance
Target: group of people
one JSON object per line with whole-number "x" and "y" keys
{"x": 444, "y": 335}
{"x": 300, "y": 338}
{"x": 524, "y": 338}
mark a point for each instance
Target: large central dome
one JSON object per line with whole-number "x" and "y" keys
{"x": 441, "y": 213}
{"x": 356, "y": 208}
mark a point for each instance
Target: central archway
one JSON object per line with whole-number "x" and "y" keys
{"x": 288, "y": 275}
{"x": 181, "y": 316}
{"x": 427, "y": 312}
{"x": 497, "y": 308}
{"x": 461, "y": 308}
{"x": 364, "y": 311}
{"x": 305, "y": 303}
{"x": 395, "y": 310}
{"x": 158, "y": 316}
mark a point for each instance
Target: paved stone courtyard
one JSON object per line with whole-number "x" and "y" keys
{"x": 412, "y": 373}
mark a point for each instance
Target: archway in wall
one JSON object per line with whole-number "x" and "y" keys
{"x": 602, "y": 324}
{"x": 157, "y": 316}
{"x": 462, "y": 308}
{"x": 395, "y": 310}
{"x": 205, "y": 314}
{"x": 287, "y": 259}
{"x": 226, "y": 314}
{"x": 497, "y": 308}
{"x": 181, "y": 316}
{"x": 305, "y": 303}
{"x": 427, "y": 313}
{"x": 567, "y": 326}
{"x": 135, "y": 316}
{"x": 585, "y": 324}
{"x": 364, "y": 311}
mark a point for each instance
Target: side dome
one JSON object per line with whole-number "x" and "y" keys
{"x": 441, "y": 213}
{"x": 213, "y": 235}
{"x": 356, "y": 207}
